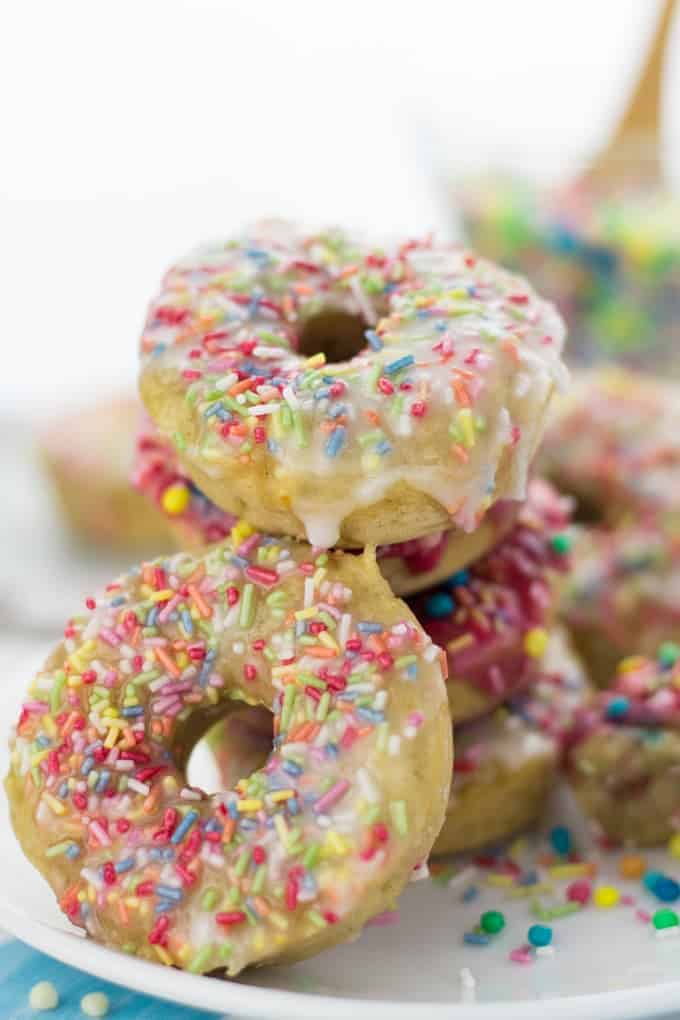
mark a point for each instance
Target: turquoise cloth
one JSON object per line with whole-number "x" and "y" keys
{"x": 22, "y": 967}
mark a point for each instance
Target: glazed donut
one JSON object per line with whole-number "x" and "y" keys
{"x": 622, "y": 596}
{"x": 506, "y": 763}
{"x": 88, "y": 456}
{"x": 408, "y": 566}
{"x": 613, "y": 444}
{"x": 302, "y": 852}
{"x": 441, "y": 370}
{"x": 491, "y": 618}
{"x": 624, "y": 758}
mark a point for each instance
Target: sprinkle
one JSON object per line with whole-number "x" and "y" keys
{"x": 43, "y": 996}
{"x": 606, "y": 896}
{"x": 399, "y": 816}
{"x": 539, "y": 935}
{"x": 492, "y": 922}
{"x": 396, "y": 366}
{"x": 95, "y": 1004}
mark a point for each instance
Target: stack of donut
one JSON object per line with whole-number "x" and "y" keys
{"x": 330, "y": 426}
{"x": 614, "y": 445}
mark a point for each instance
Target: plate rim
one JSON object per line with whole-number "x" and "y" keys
{"x": 250, "y": 1001}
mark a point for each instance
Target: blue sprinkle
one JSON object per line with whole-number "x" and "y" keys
{"x": 474, "y": 938}
{"x": 383, "y": 447}
{"x": 336, "y": 441}
{"x": 238, "y": 561}
{"x": 560, "y": 839}
{"x": 293, "y": 806}
{"x": 470, "y": 894}
{"x": 332, "y": 750}
{"x": 666, "y": 889}
{"x": 132, "y": 710}
{"x": 292, "y": 768}
{"x": 158, "y": 349}
{"x": 118, "y": 601}
{"x": 367, "y": 627}
{"x": 617, "y": 707}
{"x": 212, "y": 409}
{"x": 439, "y": 606}
{"x": 396, "y": 366}
{"x": 187, "y": 622}
{"x": 183, "y": 827}
{"x": 337, "y": 411}
{"x": 124, "y": 865}
{"x": 87, "y": 766}
{"x": 373, "y": 339}
{"x": 73, "y": 852}
{"x": 43, "y": 740}
{"x": 412, "y": 671}
{"x": 371, "y": 715}
{"x": 169, "y": 892}
{"x": 94, "y": 746}
{"x": 232, "y": 809}
{"x": 273, "y": 447}
{"x": 152, "y": 617}
{"x": 459, "y": 579}
{"x": 163, "y": 906}
{"x": 539, "y": 935}
{"x": 528, "y": 878}
{"x": 63, "y": 790}
{"x": 102, "y": 782}
{"x": 167, "y": 854}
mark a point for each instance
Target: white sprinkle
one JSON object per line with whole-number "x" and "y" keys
{"x": 394, "y": 745}
{"x": 134, "y": 784}
{"x": 368, "y": 787}
{"x": 344, "y": 628}
{"x": 308, "y": 593}
{"x": 238, "y": 648}
{"x": 410, "y": 732}
{"x": 260, "y": 410}
{"x": 545, "y": 950}
{"x": 290, "y": 398}
{"x": 95, "y": 1004}
{"x": 43, "y": 996}
{"x": 468, "y": 985}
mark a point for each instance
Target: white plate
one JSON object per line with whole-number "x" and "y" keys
{"x": 607, "y": 965}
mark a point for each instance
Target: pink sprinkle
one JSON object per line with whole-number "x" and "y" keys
{"x": 628, "y": 900}
{"x": 99, "y": 834}
{"x": 643, "y": 915}
{"x": 109, "y": 637}
{"x": 383, "y": 920}
{"x": 522, "y": 955}
{"x": 262, "y": 575}
{"x": 332, "y": 796}
{"x": 416, "y": 719}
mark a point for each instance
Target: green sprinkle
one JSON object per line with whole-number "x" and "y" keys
{"x": 492, "y": 922}
{"x": 399, "y": 816}
{"x": 561, "y": 544}
{"x": 668, "y": 654}
{"x": 322, "y": 707}
{"x": 247, "y": 610}
{"x": 200, "y": 960}
{"x": 316, "y": 918}
{"x": 311, "y": 858}
{"x": 57, "y": 686}
{"x": 57, "y": 849}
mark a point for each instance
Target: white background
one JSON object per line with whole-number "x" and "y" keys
{"x": 131, "y": 130}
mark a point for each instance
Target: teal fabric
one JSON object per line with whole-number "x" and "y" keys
{"x": 22, "y": 967}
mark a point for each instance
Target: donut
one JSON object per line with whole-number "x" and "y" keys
{"x": 613, "y": 444}
{"x": 506, "y": 763}
{"x": 299, "y": 854}
{"x": 492, "y": 618}
{"x": 610, "y": 259}
{"x": 622, "y": 596}
{"x": 345, "y": 394}
{"x": 88, "y": 457}
{"x": 408, "y": 566}
{"x": 624, "y": 756}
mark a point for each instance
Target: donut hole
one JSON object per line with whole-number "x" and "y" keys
{"x": 236, "y": 745}
{"x": 339, "y": 335}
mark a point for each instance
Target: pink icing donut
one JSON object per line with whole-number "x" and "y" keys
{"x": 491, "y": 618}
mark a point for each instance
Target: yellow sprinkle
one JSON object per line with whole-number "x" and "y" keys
{"x": 500, "y": 881}
{"x": 674, "y": 845}
{"x": 162, "y": 596}
{"x": 606, "y": 896}
{"x": 281, "y": 830}
{"x": 325, "y": 638}
{"x": 111, "y": 737}
{"x": 176, "y": 499}
{"x": 280, "y": 795}
{"x": 466, "y": 424}
{"x": 56, "y": 805}
{"x": 306, "y": 614}
{"x": 39, "y": 756}
{"x": 163, "y": 955}
{"x": 536, "y": 642}
{"x": 49, "y": 725}
{"x": 570, "y": 870}
{"x": 241, "y": 531}
{"x": 630, "y": 664}
{"x": 249, "y": 805}
{"x": 316, "y": 360}
{"x": 334, "y": 846}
